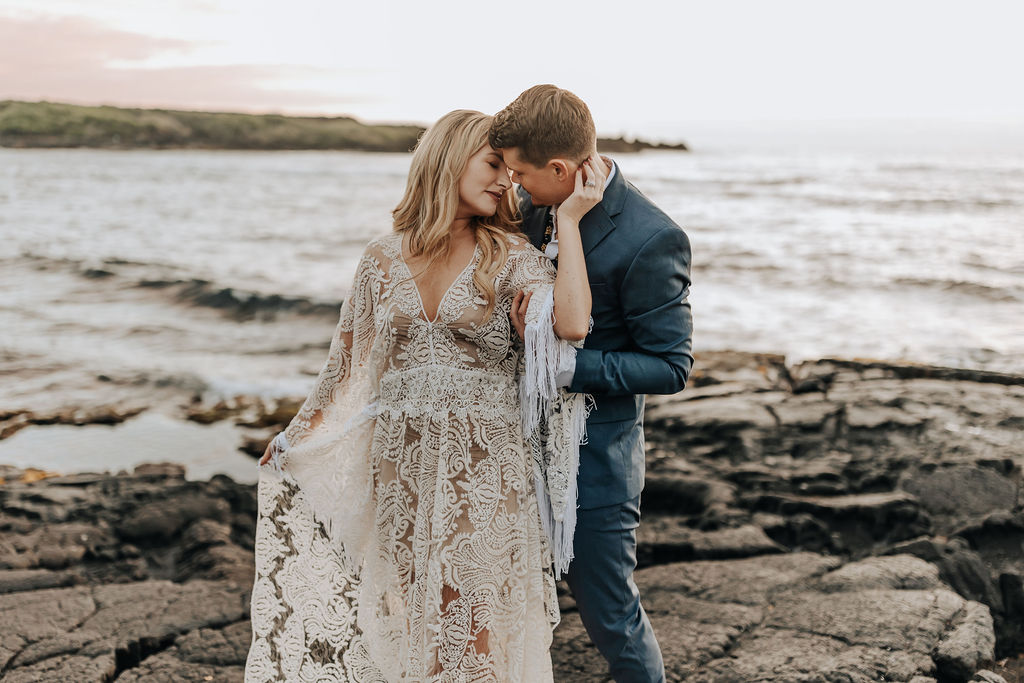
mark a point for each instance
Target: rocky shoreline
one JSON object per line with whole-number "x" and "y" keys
{"x": 831, "y": 521}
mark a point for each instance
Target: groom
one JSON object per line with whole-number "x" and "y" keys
{"x": 638, "y": 263}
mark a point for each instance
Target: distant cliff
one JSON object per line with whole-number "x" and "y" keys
{"x": 48, "y": 124}
{"x": 620, "y": 145}
{"x": 51, "y": 124}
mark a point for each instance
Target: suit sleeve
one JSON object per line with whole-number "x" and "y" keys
{"x": 657, "y": 314}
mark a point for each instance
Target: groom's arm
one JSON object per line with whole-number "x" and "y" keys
{"x": 657, "y": 314}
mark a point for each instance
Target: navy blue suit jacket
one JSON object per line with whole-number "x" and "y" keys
{"x": 638, "y": 264}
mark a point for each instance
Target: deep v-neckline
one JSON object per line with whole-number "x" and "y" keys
{"x": 419, "y": 296}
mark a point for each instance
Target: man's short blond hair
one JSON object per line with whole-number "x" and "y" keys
{"x": 544, "y": 123}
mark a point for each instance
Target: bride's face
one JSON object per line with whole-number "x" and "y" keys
{"x": 483, "y": 184}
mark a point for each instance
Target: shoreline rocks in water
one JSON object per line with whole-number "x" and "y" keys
{"x": 836, "y": 520}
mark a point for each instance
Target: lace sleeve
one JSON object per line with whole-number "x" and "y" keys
{"x": 530, "y": 268}
{"x": 332, "y": 375}
{"x": 325, "y": 448}
{"x": 546, "y": 354}
{"x": 554, "y": 420}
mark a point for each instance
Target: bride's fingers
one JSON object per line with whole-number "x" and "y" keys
{"x": 595, "y": 171}
{"x": 515, "y": 313}
{"x": 598, "y": 177}
{"x": 524, "y": 305}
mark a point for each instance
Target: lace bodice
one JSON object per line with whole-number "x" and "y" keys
{"x": 460, "y": 337}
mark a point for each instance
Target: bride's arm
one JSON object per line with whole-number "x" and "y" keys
{"x": 572, "y": 289}
{"x": 572, "y": 302}
{"x": 333, "y": 374}
{"x": 311, "y": 414}
{"x": 554, "y": 420}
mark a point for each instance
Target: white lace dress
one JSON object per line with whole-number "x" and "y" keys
{"x": 401, "y": 537}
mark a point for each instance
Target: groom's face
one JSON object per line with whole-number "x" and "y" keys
{"x": 549, "y": 184}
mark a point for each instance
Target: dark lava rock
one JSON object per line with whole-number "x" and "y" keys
{"x": 958, "y": 494}
{"x": 859, "y": 521}
{"x": 799, "y": 617}
{"x": 763, "y": 484}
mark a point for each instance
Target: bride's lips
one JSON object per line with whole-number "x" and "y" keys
{"x": 496, "y": 195}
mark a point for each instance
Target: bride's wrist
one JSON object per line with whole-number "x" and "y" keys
{"x": 566, "y": 218}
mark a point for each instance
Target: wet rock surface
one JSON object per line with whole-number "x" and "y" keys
{"x": 832, "y": 521}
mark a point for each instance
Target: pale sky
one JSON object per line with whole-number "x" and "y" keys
{"x": 644, "y": 67}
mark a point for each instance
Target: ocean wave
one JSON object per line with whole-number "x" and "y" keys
{"x": 124, "y": 262}
{"x": 916, "y": 204}
{"x": 716, "y": 265}
{"x": 287, "y": 350}
{"x": 93, "y": 269}
{"x": 975, "y": 289}
{"x": 860, "y": 200}
{"x": 1011, "y": 172}
{"x": 911, "y": 167}
{"x": 976, "y": 261}
{"x": 240, "y": 305}
{"x": 195, "y": 292}
{"x": 783, "y": 180}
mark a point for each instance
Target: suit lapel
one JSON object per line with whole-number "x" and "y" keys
{"x": 594, "y": 227}
{"x": 598, "y": 222}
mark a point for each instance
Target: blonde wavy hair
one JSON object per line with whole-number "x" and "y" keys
{"x": 431, "y": 201}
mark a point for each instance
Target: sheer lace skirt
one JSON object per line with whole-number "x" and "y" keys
{"x": 303, "y": 606}
{"x": 458, "y": 584}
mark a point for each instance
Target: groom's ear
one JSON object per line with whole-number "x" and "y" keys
{"x": 560, "y": 169}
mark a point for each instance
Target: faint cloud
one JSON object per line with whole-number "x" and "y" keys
{"x": 46, "y": 44}
{"x": 74, "y": 59}
{"x": 211, "y": 6}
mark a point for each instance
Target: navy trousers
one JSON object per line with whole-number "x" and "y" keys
{"x": 601, "y": 580}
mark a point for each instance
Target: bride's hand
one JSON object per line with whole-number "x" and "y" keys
{"x": 520, "y": 304}
{"x": 585, "y": 195}
{"x": 266, "y": 454}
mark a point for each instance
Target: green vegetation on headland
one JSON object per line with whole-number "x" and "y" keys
{"x": 51, "y": 124}
{"x": 48, "y": 124}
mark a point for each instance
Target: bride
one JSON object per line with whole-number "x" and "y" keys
{"x": 422, "y": 501}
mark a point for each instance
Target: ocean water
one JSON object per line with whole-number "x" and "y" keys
{"x": 214, "y": 273}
